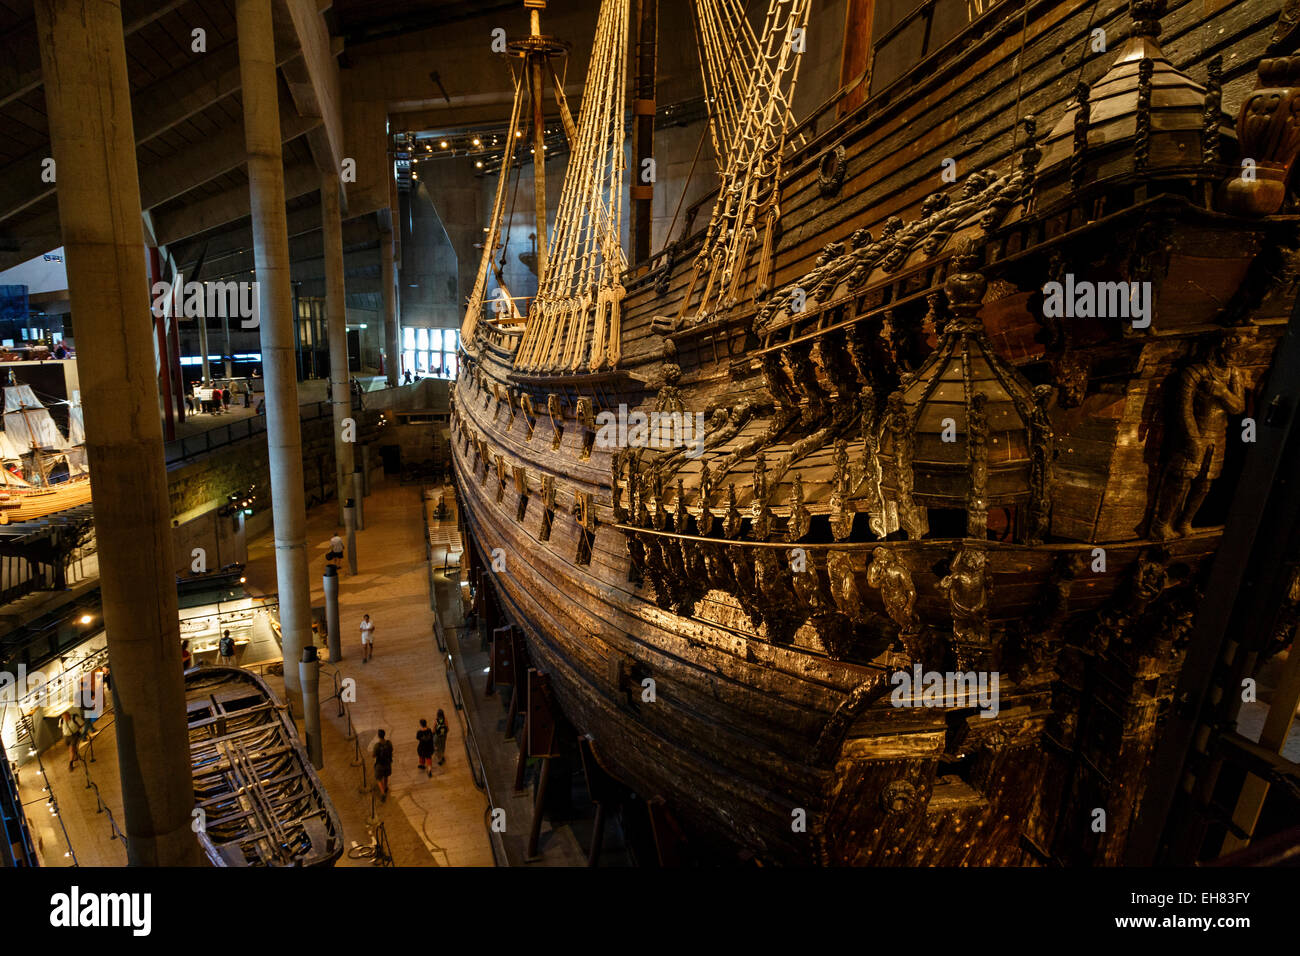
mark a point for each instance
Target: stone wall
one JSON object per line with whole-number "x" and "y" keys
{"x": 203, "y": 485}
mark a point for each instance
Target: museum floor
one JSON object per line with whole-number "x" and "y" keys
{"x": 429, "y": 822}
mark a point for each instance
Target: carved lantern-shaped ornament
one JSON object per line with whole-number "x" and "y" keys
{"x": 1143, "y": 118}
{"x": 958, "y": 436}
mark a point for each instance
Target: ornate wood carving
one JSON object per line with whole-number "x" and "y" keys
{"x": 966, "y": 587}
{"x": 1205, "y": 394}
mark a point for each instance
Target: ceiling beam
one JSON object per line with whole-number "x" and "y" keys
{"x": 20, "y": 51}
{"x": 313, "y": 77}
{"x": 214, "y": 156}
{"x": 205, "y": 214}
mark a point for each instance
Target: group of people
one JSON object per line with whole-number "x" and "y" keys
{"x": 430, "y": 745}
{"x": 213, "y": 399}
{"x": 225, "y": 652}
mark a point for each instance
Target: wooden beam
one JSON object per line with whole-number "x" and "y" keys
{"x": 228, "y": 206}
{"x": 231, "y": 251}
{"x": 313, "y": 77}
{"x": 214, "y": 156}
{"x": 20, "y": 57}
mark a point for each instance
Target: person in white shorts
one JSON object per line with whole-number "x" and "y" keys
{"x": 367, "y": 638}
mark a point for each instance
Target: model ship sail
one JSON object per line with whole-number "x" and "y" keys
{"x": 28, "y": 423}
{"x": 32, "y": 440}
{"x": 912, "y": 464}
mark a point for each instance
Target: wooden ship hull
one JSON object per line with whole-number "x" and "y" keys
{"x": 838, "y": 538}
{"x": 262, "y": 801}
{"x": 29, "y": 505}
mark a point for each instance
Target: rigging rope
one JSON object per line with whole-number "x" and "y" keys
{"x": 748, "y": 191}
{"x": 575, "y": 318}
{"x": 474, "y": 307}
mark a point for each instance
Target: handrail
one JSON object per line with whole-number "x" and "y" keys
{"x": 52, "y": 801}
{"x": 102, "y": 807}
{"x": 345, "y": 711}
{"x": 472, "y": 753}
{"x": 183, "y": 449}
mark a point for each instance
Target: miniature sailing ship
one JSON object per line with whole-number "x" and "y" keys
{"x": 910, "y": 459}
{"x": 262, "y": 802}
{"x": 31, "y": 440}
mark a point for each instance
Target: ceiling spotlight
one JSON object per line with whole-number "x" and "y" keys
{"x": 479, "y": 164}
{"x": 242, "y": 580}
{"x": 477, "y": 142}
{"x": 518, "y": 133}
{"x": 85, "y": 619}
{"x": 443, "y": 144}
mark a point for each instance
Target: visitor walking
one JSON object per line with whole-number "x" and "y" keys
{"x": 367, "y": 638}
{"x": 71, "y": 725}
{"x": 227, "y": 649}
{"x": 424, "y": 746}
{"x": 187, "y": 658}
{"x": 440, "y": 730}
{"x": 335, "y": 553}
{"x": 383, "y": 752}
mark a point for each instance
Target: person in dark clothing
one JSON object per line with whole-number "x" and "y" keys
{"x": 424, "y": 746}
{"x": 383, "y": 753}
{"x": 440, "y": 731}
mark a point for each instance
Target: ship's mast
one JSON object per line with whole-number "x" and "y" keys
{"x": 536, "y": 64}
{"x": 643, "y": 106}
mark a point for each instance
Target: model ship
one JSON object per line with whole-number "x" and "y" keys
{"x": 55, "y": 466}
{"x": 977, "y": 431}
{"x": 262, "y": 803}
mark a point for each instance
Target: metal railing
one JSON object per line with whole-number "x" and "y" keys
{"x": 219, "y": 436}
{"x": 101, "y": 807}
{"x": 52, "y": 802}
{"x": 358, "y": 758}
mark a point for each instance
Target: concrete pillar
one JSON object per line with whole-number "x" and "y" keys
{"x": 333, "y": 633}
{"x": 350, "y": 522}
{"x": 388, "y": 285}
{"x": 337, "y": 321}
{"x": 358, "y": 496}
{"x": 257, "y": 73}
{"x": 88, "y": 102}
{"x": 309, "y": 677}
{"x": 203, "y": 347}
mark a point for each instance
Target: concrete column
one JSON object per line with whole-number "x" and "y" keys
{"x": 350, "y": 522}
{"x": 392, "y": 335}
{"x": 88, "y": 102}
{"x": 333, "y": 631}
{"x": 257, "y": 73}
{"x": 203, "y": 347}
{"x": 337, "y": 321}
{"x": 309, "y": 677}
